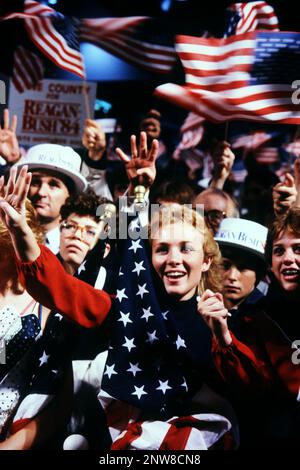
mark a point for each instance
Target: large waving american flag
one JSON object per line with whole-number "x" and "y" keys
{"x": 251, "y": 16}
{"x": 146, "y": 383}
{"x": 119, "y": 36}
{"x": 247, "y": 76}
{"x": 28, "y": 69}
{"x": 53, "y": 34}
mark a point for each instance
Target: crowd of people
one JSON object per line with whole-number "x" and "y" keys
{"x": 190, "y": 350}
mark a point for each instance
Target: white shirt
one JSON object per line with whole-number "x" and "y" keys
{"x": 53, "y": 239}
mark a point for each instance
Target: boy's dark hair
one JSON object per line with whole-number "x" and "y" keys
{"x": 84, "y": 204}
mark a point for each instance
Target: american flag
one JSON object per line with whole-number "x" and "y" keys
{"x": 146, "y": 377}
{"x": 50, "y": 359}
{"x": 119, "y": 36}
{"x": 191, "y": 131}
{"x": 247, "y": 76}
{"x": 28, "y": 69}
{"x": 251, "y": 16}
{"x": 53, "y": 34}
{"x": 293, "y": 148}
{"x": 253, "y": 140}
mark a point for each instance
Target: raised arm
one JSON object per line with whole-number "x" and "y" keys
{"x": 93, "y": 139}
{"x": 284, "y": 195}
{"x": 141, "y": 167}
{"x": 9, "y": 146}
{"x": 223, "y": 159}
{"x": 40, "y": 272}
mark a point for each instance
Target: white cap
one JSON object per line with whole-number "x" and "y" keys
{"x": 57, "y": 158}
{"x": 243, "y": 234}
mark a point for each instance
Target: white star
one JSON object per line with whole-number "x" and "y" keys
{"x": 129, "y": 343}
{"x": 43, "y": 359}
{"x": 81, "y": 267}
{"x": 138, "y": 268}
{"x": 180, "y": 343}
{"x": 135, "y": 245}
{"x": 110, "y": 370}
{"x": 163, "y": 386}
{"x": 125, "y": 318}
{"x": 59, "y": 316}
{"x": 152, "y": 337}
{"x": 134, "y": 368}
{"x": 142, "y": 290}
{"x": 134, "y": 224}
{"x": 147, "y": 313}
{"x": 139, "y": 391}
{"x": 55, "y": 372}
{"x": 164, "y": 314}
{"x": 121, "y": 295}
{"x": 120, "y": 272}
{"x": 184, "y": 384}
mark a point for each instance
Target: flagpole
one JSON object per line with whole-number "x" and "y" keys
{"x": 86, "y": 100}
{"x": 226, "y": 130}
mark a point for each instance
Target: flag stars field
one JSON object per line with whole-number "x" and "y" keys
{"x": 129, "y": 343}
{"x": 125, "y": 318}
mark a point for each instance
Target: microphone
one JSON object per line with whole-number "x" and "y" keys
{"x": 139, "y": 197}
{"x": 108, "y": 212}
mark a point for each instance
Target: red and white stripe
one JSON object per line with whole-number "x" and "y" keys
{"x": 38, "y": 23}
{"x": 32, "y": 9}
{"x": 28, "y": 69}
{"x": 251, "y": 141}
{"x": 195, "y": 432}
{"x": 254, "y": 16}
{"x": 53, "y": 45}
{"x": 116, "y": 36}
{"x": 293, "y": 147}
{"x": 217, "y": 76}
{"x": 28, "y": 409}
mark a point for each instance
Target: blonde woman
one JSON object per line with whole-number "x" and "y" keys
{"x": 22, "y": 319}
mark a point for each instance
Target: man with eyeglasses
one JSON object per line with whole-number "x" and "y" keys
{"x": 55, "y": 176}
{"x": 217, "y": 205}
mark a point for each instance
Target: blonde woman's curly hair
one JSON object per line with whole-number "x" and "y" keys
{"x": 176, "y": 213}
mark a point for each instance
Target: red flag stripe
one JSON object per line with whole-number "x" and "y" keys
{"x": 54, "y": 46}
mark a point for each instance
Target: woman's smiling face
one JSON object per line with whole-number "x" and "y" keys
{"x": 178, "y": 258}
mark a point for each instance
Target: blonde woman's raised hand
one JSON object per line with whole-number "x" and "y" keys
{"x": 214, "y": 313}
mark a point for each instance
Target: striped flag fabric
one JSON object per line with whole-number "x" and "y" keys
{"x": 53, "y": 34}
{"x": 247, "y": 77}
{"x": 251, "y": 16}
{"x": 146, "y": 382}
{"x": 28, "y": 69}
{"x": 253, "y": 140}
{"x": 119, "y": 36}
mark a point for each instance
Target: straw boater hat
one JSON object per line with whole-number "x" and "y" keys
{"x": 56, "y": 158}
{"x": 242, "y": 234}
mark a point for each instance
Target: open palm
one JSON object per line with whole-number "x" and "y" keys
{"x": 9, "y": 146}
{"x": 13, "y": 197}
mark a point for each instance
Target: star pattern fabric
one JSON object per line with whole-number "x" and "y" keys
{"x": 143, "y": 365}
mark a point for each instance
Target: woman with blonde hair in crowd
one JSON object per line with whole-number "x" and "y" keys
{"x": 22, "y": 319}
{"x": 183, "y": 251}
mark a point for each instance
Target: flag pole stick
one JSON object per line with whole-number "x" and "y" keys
{"x": 86, "y": 100}
{"x": 226, "y": 130}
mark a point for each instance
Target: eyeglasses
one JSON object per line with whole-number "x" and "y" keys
{"x": 88, "y": 233}
{"x": 215, "y": 215}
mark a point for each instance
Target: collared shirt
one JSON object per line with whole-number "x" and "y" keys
{"x": 52, "y": 240}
